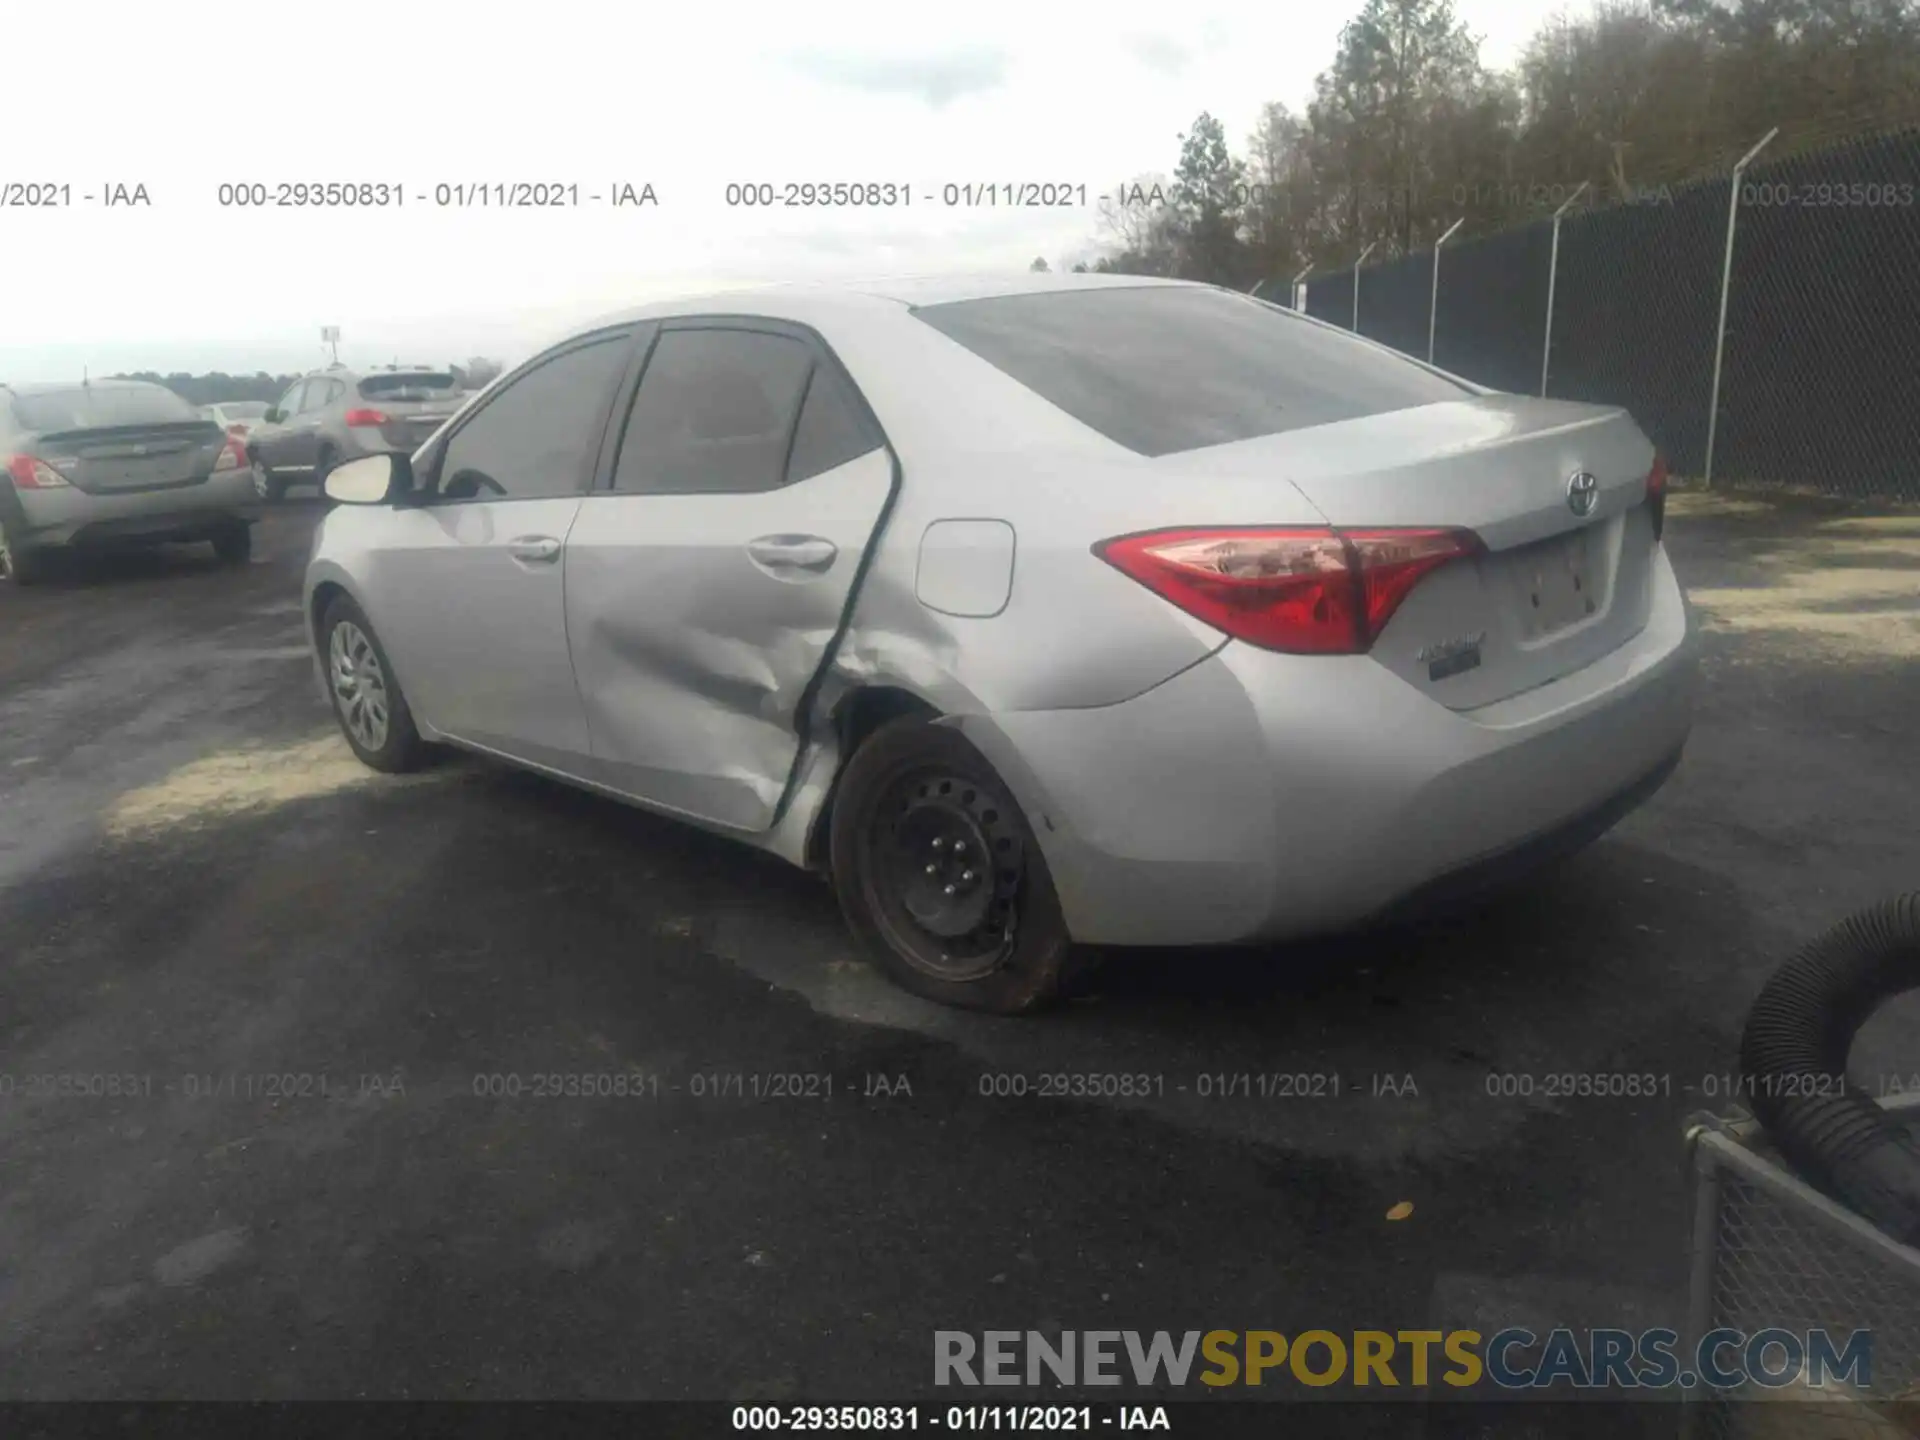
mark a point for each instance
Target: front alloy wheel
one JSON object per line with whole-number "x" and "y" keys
{"x": 266, "y": 485}
{"x": 359, "y": 685}
{"x": 367, "y": 699}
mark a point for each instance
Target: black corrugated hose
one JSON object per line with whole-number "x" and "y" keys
{"x": 1801, "y": 1029}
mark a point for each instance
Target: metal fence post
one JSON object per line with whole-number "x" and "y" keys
{"x": 1299, "y": 290}
{"x": 1356, "y": 283}
{"x": 1726, "y": 279}
{"x": 1433, "y": 312}
{"x": 1553, "y": 276}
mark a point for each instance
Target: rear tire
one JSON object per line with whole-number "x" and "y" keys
{"x": 914, "y": 807}
{"x": 366, "y": 696}
{"x": 20, "y": 566}
{"x": 322, "y": 463}
{"x": 234, "y": 546}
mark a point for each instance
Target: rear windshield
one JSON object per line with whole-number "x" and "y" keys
{"x": 1165, "y": 369}
{"x": 84, "y": 408}
{"x": 421, "y": 385}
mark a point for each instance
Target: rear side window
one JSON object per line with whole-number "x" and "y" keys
{"x": 85, "y": 407}
{"x": 714, "y": 413}
{"x": 536, "y": 438}
{"x": 1165, "y": 369}
{"x": 833, "y": 427}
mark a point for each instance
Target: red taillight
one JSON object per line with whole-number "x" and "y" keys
{"x": 1657, "y": 493}
{"x": 232, "y": 455}
{"x": 366, "y": 417}
{"x": 31, "y": 474}
{"x": 1302, "y": 591}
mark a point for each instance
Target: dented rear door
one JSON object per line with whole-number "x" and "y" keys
{"x": 710, "y": 575}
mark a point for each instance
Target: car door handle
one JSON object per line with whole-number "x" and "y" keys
{"x": 535, "y": 549}
{"x": 793, "y": 552}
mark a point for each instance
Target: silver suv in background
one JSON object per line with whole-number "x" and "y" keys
{"x": 117, "y": 463}
{"x": 334, "y": 415}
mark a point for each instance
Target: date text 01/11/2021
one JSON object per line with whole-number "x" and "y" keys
{"x": 445, "y": 195}
{"x": 1080, "y": 1419}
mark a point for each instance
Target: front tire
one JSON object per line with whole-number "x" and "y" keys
{"x": 267, "y": 485}
{"x": 20, "y": 566}
{"x": 367, "y": 700}
{"x": 939, "y": 876}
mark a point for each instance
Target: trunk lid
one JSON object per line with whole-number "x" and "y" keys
{"x": 1563, "y": 580}
{"x": 128, "y": 459}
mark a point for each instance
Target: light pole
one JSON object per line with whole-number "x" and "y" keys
{"x": 1356, "y": 283}
{"x": 1553, "y": 276}
{"x": 1299, "y": 295}
{"x": 1726, "y": 279}
{"x": 1433, "y": 311}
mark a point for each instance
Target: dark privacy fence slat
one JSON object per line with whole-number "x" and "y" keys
{"x": 1821, "y": 378}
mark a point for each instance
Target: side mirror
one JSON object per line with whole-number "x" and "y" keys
{"x": 373, "y": 480}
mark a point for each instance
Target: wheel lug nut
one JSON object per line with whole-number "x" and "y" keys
{"x": 959, "y": 847}
{"x": 966, "y": 874}
{"x": 949, "y": 889}
{"x": 932, "y": 869}
{"x": 939, "y": 844}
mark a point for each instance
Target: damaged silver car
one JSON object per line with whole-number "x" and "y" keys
{"x": 1035, "y": 611}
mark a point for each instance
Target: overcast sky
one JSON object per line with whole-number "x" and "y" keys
{"x": 685, "y": 97}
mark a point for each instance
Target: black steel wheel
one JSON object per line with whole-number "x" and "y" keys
{"x": 939, "y": 874}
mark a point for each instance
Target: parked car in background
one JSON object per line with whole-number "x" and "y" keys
{"x": 335, "y": 415}
{"x": 236, "y": 417}
{"x": 1034, "y": 610}
{"x": 115, "y": 463}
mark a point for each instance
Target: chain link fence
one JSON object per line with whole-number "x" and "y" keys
{"x": 1773, "y": 1256}
{"x": 1820, "y": 370}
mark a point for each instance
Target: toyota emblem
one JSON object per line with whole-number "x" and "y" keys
{"x": 1583, "y": 492}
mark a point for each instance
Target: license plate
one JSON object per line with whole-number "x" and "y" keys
{"x": 1556, "y": 583}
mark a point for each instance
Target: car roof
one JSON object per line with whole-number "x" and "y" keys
{"x": 60, "y": 387}
{"x": 810, "y": 301}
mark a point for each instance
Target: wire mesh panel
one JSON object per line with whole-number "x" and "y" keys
{"x": 1821, "y": 384}
{"x": 1773, "y": 1254}
{"x": 1821, "y": 379}
{"x": 1394, "y": 301}
{"x": 1493, "y": 308}
{"x": 1635, "y": 307}
{"x": 1330, "y": 298}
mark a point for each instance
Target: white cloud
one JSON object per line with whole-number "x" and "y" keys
{"x": 575, "y": 92}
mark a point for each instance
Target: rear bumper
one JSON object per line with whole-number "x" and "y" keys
{"x": 74, "y": 517}
{"x": 1446, "y": 892}
{"x": 1258, "y": 796}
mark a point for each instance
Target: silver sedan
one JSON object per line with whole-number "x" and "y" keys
{"x": 1033, "y": 611}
